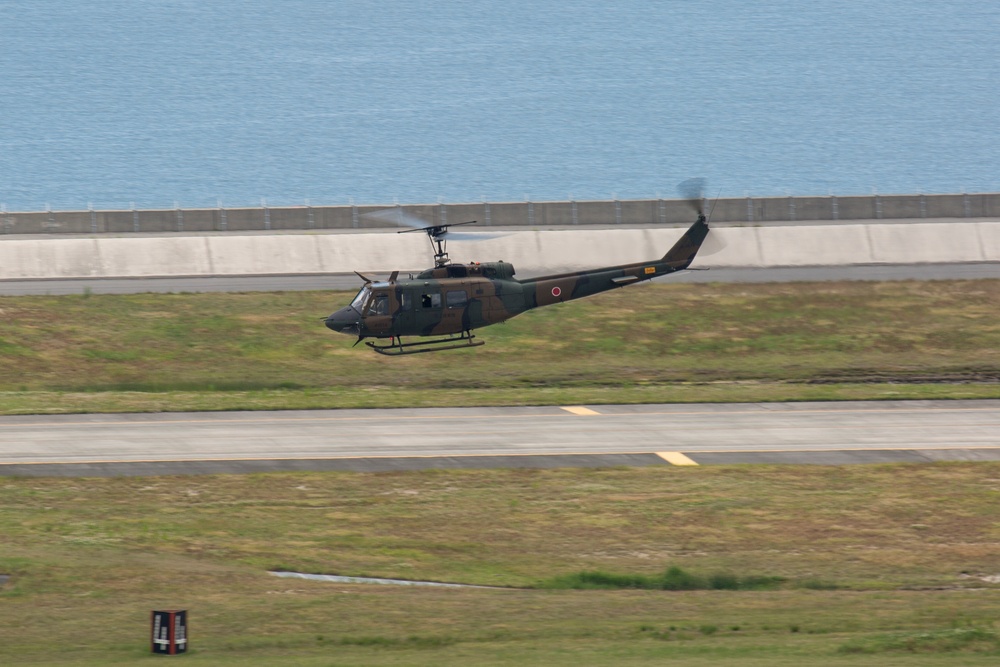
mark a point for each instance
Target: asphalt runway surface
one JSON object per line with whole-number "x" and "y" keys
{"x": 540, "y": 437}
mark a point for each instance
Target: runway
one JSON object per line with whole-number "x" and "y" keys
{"x": 545, "y": 436}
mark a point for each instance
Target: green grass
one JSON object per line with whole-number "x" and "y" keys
{"x": 870, "y": 565}
{"x": 672, "y": 579}
{"x": 651, "y": 343}
{"x": 883, "y": 564}
{"x": 965, "y": 640}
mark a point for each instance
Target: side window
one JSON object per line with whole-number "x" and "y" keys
{"x": 432, "y": 300}
{"x": 457, "y": 299}
{"x": 379, "y": 305}
{"x": 406, "y": 301}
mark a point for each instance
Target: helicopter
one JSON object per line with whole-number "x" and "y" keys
{"x": 446, "y": 303}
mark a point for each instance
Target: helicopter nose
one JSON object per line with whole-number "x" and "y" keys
{"x": 346, "y": 321}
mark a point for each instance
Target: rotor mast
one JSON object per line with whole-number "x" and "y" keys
{"x": 439, "y": 240}
{"x": 436, "y": 236}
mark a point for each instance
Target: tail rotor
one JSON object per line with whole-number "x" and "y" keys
{"x": 692, "y": 191}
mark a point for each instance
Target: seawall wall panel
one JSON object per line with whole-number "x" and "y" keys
{"x": 50, "y": 258}
{"x": 157, "y": 256}
{"x": 811, "y": 246}
{"x": 531, "y": 250}
{"x": 930, "y": 242}
{"x": 263, "y": 254}
{"x": 989, "y": 237}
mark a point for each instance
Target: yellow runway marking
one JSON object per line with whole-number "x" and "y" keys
{"x": 579, "y": 410}
{"x": 676, "y": 458}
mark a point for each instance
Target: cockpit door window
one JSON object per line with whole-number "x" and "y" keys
{"x": 457, "y": 298}
{"x": 405, "y": 300}
{"x": 379, "y": 305}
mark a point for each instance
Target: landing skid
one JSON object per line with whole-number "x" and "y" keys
{"x": 399, "y": 347}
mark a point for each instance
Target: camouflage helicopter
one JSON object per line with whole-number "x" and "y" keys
{"x": 446, "y": 303}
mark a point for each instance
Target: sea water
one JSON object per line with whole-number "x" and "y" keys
{"x": 119, "y": 103}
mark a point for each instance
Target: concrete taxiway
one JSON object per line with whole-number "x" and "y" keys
{"x": 545, "y": 436}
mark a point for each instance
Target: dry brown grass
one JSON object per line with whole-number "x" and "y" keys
{"x": 653, "y": 343}
{"x": 917, "y": 525}
{"x": 908, "y": 544}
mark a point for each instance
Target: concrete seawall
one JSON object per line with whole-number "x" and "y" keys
{"x": 748, "y": 210}
{"x": 531, "y": 251}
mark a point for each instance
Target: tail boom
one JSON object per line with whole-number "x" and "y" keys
{"x": 568, "y": 286}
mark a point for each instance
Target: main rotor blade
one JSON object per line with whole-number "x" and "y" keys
{"x": 397, "y": 216}
{"x": 472, "y": 236}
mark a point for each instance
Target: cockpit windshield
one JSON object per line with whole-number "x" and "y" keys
{"x": 361, "y": 299}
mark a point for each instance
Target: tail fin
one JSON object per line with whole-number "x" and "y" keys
{"x": 683, "y": 252}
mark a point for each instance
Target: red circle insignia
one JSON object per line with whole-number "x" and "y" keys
{"x": 556, "y": 291}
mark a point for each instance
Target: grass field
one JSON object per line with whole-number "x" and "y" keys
{"x": 867, "y": 565}
{"x": 650, "y": 343}
{"x": 880, "y": 565}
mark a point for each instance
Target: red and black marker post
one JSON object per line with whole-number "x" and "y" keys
{"x": 169, "y": 631}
